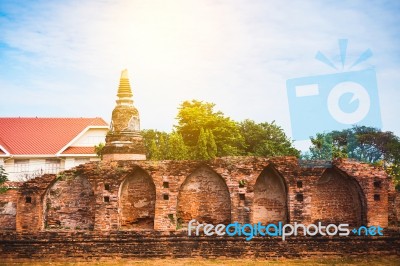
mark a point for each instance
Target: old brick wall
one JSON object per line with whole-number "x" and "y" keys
{"x": 270, "y": 198}
{"x": 147, "y": 195}
{"x": 8, "y": 207}
{"x": 336, "y": 199}
{"x": 205, "y": 197}
{"x": 69, "y": 204}
{"x": 137, "y": 201}
{"x": 89, "y": 246}
{"x": 376, "y": 187}
{"x": 30, "y": 206}
{"x": 395, "y": 210}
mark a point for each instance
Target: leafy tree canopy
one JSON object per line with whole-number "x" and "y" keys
{"x": 202, "y": 133}
{"x": 3, "y": 178}
{"x": 195, "y": 115}
{"x": 99, "y": 149}
{"x": 363, "y": 143}
{"x": 265, "y": 139}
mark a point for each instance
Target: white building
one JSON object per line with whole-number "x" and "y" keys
{"x": 30, "y": 147}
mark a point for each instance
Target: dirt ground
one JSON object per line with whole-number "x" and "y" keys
{"x": 228, "y": 262}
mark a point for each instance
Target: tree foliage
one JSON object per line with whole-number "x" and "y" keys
{"x": 154, "y": 152}
{"x": 201, "y": 152}
{"x": 99, "y": 149}
{"x": 195, "y": 115}
{"x": 202, "y": 133}
{"x": 3, "y": 179}
{"x": 265, "y": 139}
{"x": 177, "y": 149}
{"x": 211, "y": 145}
{"x": 154, "y": 141}
{"x": 366, "y": 144}
{"x": 164, "y": 146}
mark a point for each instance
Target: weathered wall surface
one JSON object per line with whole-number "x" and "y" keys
{"x": 205, "y": 197}
{"x": 336, "y": 199}
{"x": 8, "y": 210}
{"x": 69, "y": 205}
{"x": 30, "y": 207}
{"x": 395, "y": 209}
{"x": 82, "y": 246}
{"x": 165, "y": 195}
{"x": 270, "y": 200}
{"x": 137, "y": 201}
{"x": 376, "y": 187}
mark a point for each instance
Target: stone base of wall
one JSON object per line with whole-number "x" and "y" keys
{"x": 84, "y": 246}
{"x": 122, "y": 156}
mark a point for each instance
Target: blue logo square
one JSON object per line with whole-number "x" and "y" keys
{"x": 333, "y": 102}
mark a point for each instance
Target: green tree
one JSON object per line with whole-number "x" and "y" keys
{"x": 324, "y": 147}
{"x": 162, "y": 146}
{"x": 3, "y": 179}
{"x": 177, "y": 149}
{"x": 154, "y": 152}
{"x": 201, "y": 147}
{"x": 203, "y": 133}
{"x": 150, "y": 139}
{"x": 211, "y": 145}
{"x": 155, "y": 144}
{"x": 196, "y": 115}
{"x": 99, "y": 149}
{"x": 266, "y": 139}
{"x": 394, "y": 170}
{"x": 365, "y": 144}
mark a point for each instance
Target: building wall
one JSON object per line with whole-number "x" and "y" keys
{"x": 39, "y": 166}
{"x": 91, "y": 137}
{"x": 70, "y": 162}
{"x": 165, "y": 195}
{"x": 19, "y": 171}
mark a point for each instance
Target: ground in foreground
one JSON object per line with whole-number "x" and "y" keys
{"x": 390, "y": 260}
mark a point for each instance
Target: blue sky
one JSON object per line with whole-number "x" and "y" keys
{"x": 63, "y": 58}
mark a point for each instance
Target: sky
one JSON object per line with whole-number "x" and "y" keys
{"x": 64, "y": 58}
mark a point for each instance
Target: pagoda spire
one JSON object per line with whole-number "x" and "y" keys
{"x": 124, "y": 141}
{"x": 124, "y": 90}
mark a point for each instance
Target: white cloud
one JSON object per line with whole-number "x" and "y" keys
{"x": 237, "y": 54}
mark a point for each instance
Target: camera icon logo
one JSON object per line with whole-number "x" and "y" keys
{"x": 334, "y": 101}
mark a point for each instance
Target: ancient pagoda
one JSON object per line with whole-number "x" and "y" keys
{"x": 124, "y": 141}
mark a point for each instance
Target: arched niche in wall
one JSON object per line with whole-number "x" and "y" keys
{"x": 69, "y": 205}
{"x": 204, "y": 196}
{"x": 337, "y": 198}
{"x": 270, "y": 198}
{"x": 137, "y": 199}
{"x": 8, "y": 210}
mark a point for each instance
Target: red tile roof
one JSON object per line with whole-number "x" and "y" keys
{"x": 79, "y": 150}
{"x": 29, "y": 136}
{"x": 3, "y": 148}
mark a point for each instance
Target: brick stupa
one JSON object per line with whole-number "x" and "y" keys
{"x": 124, "y": 141}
